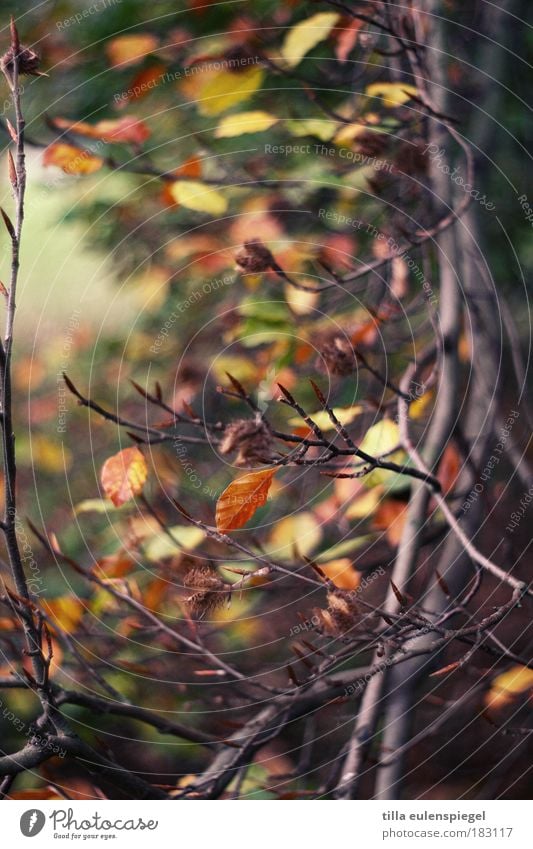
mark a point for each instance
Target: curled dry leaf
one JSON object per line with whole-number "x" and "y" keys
{"x": 123, "y": 475}
{"x": 242, "y": 498}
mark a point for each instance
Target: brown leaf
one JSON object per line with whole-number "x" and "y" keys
{"x": 123, "y": 475}
{"x": 242, "y": 498}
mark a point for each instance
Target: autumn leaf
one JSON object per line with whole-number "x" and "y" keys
{"x": 116, "y": 565}
{"x": 242, "y": 498}
{"x": 65, "y": 611}
{"x": 449, "y": 468}
{"x": 392, "y": 94}
{"x": 381, "y": 439}
{"x": 390, "y": 516}
{"x": 323, "y": 128}
{"x": 347, "y": 39}
{"x": 142, "y": 84}
{"x": 301, "y": 302}
{"x": 342, "y": 573}
{"x": 128, "y": 130}
{"x": 196, "y": 195}
{"x": 345, "y": 415}
{"x": 191, "y": 168}
{"x": 364, "y": 505}
{"x": 123, "y": 475}
{"x": 217, "y": 91}
{"x": 306, "y": 35}
{"x": 301, "y": 532}
{"x": 71, "y": 159}
{"x": 507, "y": 686}
{"x": 130, "y": 49}
{"x": 244, "y": 122}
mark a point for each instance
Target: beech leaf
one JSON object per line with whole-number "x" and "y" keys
{"x": 242, "y": 498}
{"x": 306, "y": 35}
{"x": 123, "y": 475}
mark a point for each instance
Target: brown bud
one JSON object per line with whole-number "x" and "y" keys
{"x": 340, "y": 616}
{"x": 251, "y": 437}
{"x": 28, "y": 61}
{"x": 339, "y": 357}
{"x": 254, "y": 257}
{"x": 12, "y": 132}
{"x": 13, "y": 179}
{"x": 210, "y": 592}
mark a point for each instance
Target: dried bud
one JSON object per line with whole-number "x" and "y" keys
{"x": 251, "y": 437}
{"x": 339, "y": 357}
{"x": 13, "y": 179}
{"x": 28, "y": 61}
{"x": 254, "y": 257}
{"x": 340, "y": 616}
{"x": 210, "y": 592}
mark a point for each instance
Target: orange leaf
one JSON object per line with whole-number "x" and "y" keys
{"x": 242, "y": 498}
{"x": 116, "y": 565}
{"x": 347, "y": 39}
{"x": 123, "y": 475}
{"x": 191, "y": 168}
{"x": 130, "y": 49}
{"x": 72, "y": 160}
{"x": 142, "y": 84}
{"x": 449, "y": 468}
{"x": 342, "y": 573}
{"x": 390, "y": 516}
{"x": 123, "y": 130}
{"x": 65, "y": 611}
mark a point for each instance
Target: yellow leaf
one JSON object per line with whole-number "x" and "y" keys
{"x": 198, "y": 196}
{"x": 48, "y": 455}
{"x": 130, "y": 49}
{"x": 226, "y": 89}
{"x": 123, "y": 475}
{"x": 306, "y": 35}
{"x": 300, "y": 532}
{"x": 508, "y": 685}
{"x": 380, "y": 439}
{"x": 242, "y": 498}
{"x": 345, "y": 415}
{"x": 349, "y": 132}
{"x": 244, "y": 122}
{"x": 301, "y": 302}
{"x": 161, "y": 546}
{"x": 392, "y": 94}
{"x": 342, "y": 573}
{"x": 65, "y": 611}
{"x": 71, "y": 159}
{"x": 419, "y": 406}
{"x": 323, "y": 128}
{"x": 365, "y": 505}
